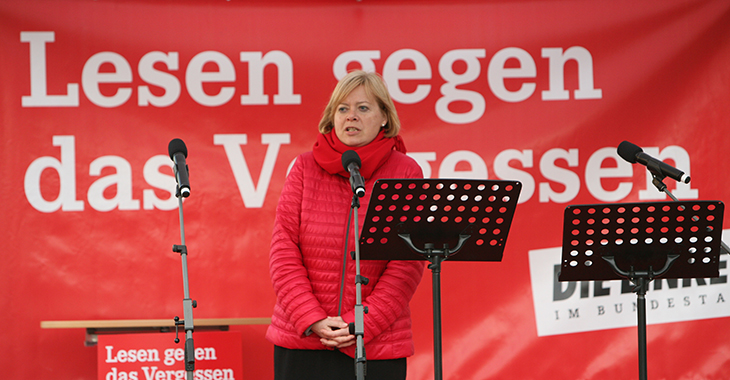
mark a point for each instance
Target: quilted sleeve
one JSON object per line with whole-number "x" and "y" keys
{"x": 288, "y": 274}
{"x": 390, "y": 297}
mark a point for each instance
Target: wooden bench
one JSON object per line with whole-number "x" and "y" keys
{"x": 121, "y": 326}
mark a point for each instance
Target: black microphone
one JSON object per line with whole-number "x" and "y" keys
{"x": 351, "y": 162}
{"x": 634, "y": 154}
{"x": 178, "y": 152}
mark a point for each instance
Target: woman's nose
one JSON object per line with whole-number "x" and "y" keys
{"x": 351, "y": 116}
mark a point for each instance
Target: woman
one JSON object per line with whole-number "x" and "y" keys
{"x": 311, "y": 339}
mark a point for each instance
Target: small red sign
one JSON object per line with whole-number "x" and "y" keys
{"x": 218, "y": 356}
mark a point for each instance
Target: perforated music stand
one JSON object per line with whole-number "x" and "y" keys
{"x": 408, "y": 218}
{"x": 640, "y": 242}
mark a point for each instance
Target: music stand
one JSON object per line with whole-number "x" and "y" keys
{"x": 640, "y": 242}
{"x": 408, "y": 218}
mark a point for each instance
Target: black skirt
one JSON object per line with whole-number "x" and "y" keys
{"x": 331, "y": 365}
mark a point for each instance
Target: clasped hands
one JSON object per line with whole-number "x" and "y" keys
{"x": 333, "y": 332}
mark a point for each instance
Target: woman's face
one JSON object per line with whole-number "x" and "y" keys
{"x": 358, "y": 118}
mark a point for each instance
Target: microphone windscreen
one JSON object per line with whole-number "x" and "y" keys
{"x": 349, "y": 157}
{"x": 628, "y": 151}
{"x": 177, "y": 146}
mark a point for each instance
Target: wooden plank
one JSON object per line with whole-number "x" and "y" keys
{"x": 143, "y": 323}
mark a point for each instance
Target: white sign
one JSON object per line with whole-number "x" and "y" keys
{"x": 570, "y": 307}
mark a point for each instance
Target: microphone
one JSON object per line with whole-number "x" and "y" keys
{"x": 634, "y": 154}
{"x": 351, "y": 162}
{"x": 178, "y": 152}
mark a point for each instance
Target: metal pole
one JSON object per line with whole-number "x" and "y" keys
{"x": 641, "y": 305}
{"x": 436, "y": 279}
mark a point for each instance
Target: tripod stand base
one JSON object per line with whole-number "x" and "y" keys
{"x": 435, "y": 267}
{"x": 642, "y": 285}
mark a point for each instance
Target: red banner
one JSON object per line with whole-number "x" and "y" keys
{"x": 540, "y": 92}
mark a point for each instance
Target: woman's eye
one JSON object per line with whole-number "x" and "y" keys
{"x": 363, "y": 108}
{"x": 342, "y": 109}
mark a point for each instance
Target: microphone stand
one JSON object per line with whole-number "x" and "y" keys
{"x": 188, "y": 304}
{"x": 658, "y": 182}
{"x": 360, "y": 310}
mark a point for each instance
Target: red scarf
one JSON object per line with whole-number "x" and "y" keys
{"x": 328, "y": 153}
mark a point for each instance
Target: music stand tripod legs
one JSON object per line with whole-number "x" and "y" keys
{"x": 436, "y": 257}
{"x": 641, "y": 280}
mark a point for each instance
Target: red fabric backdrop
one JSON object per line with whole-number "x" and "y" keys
{"x": 541, "y": 92}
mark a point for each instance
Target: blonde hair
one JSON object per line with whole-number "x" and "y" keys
{"x": 375, "y": 87}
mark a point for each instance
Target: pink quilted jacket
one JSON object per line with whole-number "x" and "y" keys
{"x": 306, "y": 263}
